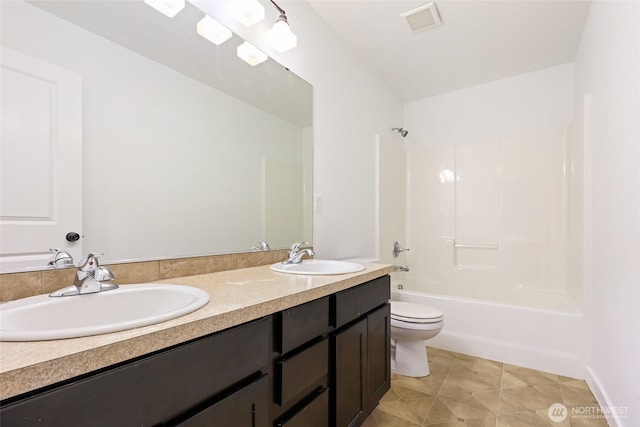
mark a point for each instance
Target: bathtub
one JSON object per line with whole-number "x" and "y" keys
{"x": 536, "y": 338}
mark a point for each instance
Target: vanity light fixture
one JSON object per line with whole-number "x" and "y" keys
{"x": 280, "y": 37}
{"x": 169, "y": 8}
{"x": 247, "y": 12}
{"x": 213, "y": 31}
{"x": 251, "y": 54}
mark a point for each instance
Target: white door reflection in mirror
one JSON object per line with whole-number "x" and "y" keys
{"x": 41, "y": 160}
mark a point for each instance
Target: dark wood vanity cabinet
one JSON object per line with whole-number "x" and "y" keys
{"x": 360, "y": 351}
{"x": 248, "y": 406}
{"x": 324, "y": 363}
{"x": 301, "y": 367}
{"x": 191, "y": 380}
{"x": 334, "y": 365}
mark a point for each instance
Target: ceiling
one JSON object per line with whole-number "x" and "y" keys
{"x": 477, "y": 41}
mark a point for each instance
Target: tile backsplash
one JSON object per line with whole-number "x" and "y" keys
{"x": 21, "y": 285}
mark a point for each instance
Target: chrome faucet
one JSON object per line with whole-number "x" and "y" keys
{"x": 296, "y": 254}
{"x": 397, "y": 249}
{"x": 89, "y": 279}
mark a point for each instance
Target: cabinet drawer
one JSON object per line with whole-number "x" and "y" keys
{"x": 352, "y": 303}
{"x": 247, "y": 407}
{"x": 302, "y": 371}
{"x": 153, "y": 389}
{"x": 315, "y": 414}
{"x": 299, "y": 325}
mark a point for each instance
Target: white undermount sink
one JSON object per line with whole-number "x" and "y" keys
{"x": 318, "y": 266}
{"x": 130, "y": 306}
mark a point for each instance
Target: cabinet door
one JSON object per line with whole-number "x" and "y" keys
{"x": 349, "y": 376}
{"x": 378, "y": 355}
{"x": 247, "y": 407}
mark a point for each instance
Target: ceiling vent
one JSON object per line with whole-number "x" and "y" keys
{"x": 423, "y": 17}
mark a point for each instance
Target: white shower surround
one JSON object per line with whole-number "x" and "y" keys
{"x": 491, "y": 220}
{"x": 489, "y": 227}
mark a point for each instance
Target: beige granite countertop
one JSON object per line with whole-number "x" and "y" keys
{"x": 237, "y": 296}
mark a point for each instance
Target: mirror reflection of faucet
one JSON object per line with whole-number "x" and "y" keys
{"x": 90, "y": 279}
{"x": 261, "y": 246}
{"x": 60, "y": 257}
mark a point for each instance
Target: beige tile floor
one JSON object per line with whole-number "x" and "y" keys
{"x": 469, "y": 391}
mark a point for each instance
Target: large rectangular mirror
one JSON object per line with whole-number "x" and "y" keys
{"x": 154, "y": 141}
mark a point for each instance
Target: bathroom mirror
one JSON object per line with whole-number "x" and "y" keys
{"x": 186, "y": 149}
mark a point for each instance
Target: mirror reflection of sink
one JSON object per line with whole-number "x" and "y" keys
{"x": 318, "y": 266}
{"x": 130, "y": 306}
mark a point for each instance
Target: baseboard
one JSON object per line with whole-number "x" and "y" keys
{"x": 599, "y": 392}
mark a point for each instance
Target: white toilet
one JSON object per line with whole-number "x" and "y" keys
{"x": 411, "y": 325}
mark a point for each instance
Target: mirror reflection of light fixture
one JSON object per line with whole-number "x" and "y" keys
{"x": 169, "y": 8}
{"x": 213, "y": 31}
{"x": 401, "y": 131}
{"x": 280, "y": 36}
{"x": 251, "y": 54}
{"x": 247, "y": 12}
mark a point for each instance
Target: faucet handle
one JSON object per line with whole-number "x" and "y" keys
{"x": 297, "y": 245}
{"x": 90, "y": 262}
{"x": 397, "y": 249}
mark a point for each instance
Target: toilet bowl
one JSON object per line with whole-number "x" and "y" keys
{"x": 411, "y": 325}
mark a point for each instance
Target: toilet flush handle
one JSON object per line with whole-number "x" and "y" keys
{"x": 397, "y": 249}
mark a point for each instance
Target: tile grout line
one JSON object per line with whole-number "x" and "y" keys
{"x": 499, "y": 395}
{"x": 435, "y": 397}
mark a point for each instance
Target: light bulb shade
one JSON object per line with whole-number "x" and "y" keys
{"x": 251, "y": 54}
{"x": 247, "y": 12}
{"x": 281, "y": 37}
{"x": 167, "y": 7}
{"x": 213, "y": 31}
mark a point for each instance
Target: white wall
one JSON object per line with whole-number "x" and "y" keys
{"x": 351, "y": 106}
{"x": 608, "y": 71}
{"x": 531, "y": 102}
{"x": 392, "y": 198}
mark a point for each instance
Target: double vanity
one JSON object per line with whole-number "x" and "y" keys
{"x": 269, "y": 349}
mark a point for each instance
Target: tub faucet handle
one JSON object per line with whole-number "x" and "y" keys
{"x": 397, "y": 249}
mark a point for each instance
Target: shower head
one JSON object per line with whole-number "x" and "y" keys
{"x": 401, "y": 131}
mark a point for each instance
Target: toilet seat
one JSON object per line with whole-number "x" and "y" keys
{"x": 414, "y": 313}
